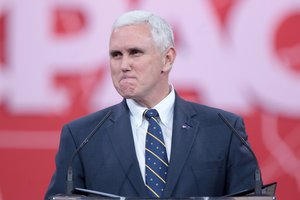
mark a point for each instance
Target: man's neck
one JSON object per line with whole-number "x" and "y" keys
{"x": 151, "y": 103}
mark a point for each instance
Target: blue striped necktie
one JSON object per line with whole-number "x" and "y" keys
{"x": 155, "y": 155}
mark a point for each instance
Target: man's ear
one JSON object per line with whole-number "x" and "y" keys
{"x": 169, "y": 59}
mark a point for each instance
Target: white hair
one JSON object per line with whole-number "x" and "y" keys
{"x": 161, "y": 31}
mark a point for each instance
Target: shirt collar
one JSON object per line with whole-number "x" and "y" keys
{"x": 164, "y": 108}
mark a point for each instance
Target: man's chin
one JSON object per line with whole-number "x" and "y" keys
{"x": 127, "y": 95}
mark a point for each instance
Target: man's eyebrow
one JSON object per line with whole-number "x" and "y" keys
{"x": 130, "y": 49}
{"x": 111, "y": 52}
{"x": 135, "y": 49}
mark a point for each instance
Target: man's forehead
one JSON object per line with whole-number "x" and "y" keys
{"x": 130, "y": 38}
{"x": 128, "y": 30}
{"x": 143, "y": 25}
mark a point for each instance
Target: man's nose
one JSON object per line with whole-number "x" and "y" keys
{"x": 125, "y": 64}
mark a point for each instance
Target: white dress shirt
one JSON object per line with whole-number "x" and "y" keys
{"x": 140, "y": 125}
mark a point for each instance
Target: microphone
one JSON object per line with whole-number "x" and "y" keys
{"x": 70, "y": 186}
{"x": 258, "y": 181}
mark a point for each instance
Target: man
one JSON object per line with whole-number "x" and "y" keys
{"x": 154, "y": 143}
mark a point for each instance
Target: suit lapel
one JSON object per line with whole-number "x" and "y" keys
{"x": 183, "y": 136}
{"x": 122, "y": 140}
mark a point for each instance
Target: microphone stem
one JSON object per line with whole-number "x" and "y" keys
{"x": 258, "y": 181}
{"x": 70, "y": 182}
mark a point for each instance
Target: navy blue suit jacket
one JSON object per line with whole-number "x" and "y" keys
{"x": 206, "y": 158}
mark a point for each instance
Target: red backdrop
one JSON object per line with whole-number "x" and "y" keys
{"x": 242, "y": 56}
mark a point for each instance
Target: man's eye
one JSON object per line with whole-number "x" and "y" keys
{"x": 135, "y": 52}
{"x": 115, "y": 55}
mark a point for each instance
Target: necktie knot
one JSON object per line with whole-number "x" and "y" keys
{"x": 149, "y": 113}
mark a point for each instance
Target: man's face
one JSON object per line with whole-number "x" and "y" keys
{"x": 139, "y": 69}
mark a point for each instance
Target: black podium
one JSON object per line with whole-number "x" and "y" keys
{"x": 191, "y": 198}
{"x": 268, "y": 193}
